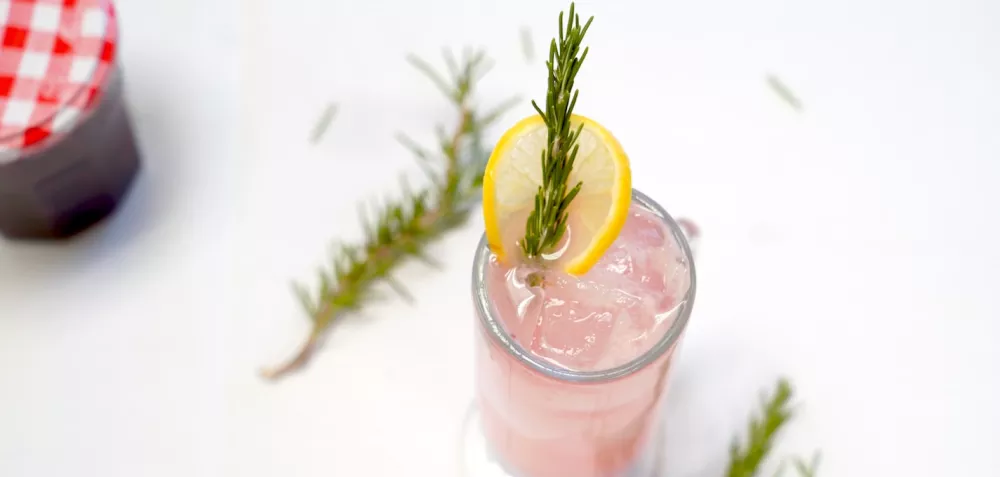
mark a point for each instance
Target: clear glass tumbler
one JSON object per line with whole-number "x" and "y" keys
{"x": 533, "y": 418}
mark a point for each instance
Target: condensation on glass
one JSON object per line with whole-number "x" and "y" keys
{"x": 68, "y": 155}
{"x": 540, "y": 420}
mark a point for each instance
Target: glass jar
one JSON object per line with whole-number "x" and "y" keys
{"x": 533, "y": 418}
{"x": 68, "y": 155}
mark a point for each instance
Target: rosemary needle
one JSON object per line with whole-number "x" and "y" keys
{"x": 527, "y": 45}
{"x": 810, "y": 469}
{"x": 784, "y": 92}
{"x": 323, "y": 124}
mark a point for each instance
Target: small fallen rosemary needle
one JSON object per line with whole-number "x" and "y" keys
{"x": 323, "y": 123}
{"x": 784, "y": 92}
{"x": 547, "y": 222}
{"x": 527, "y": 45}
{"x": 400, "y": 228}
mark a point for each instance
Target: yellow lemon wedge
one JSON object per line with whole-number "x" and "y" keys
{"x": 595, "y": 217}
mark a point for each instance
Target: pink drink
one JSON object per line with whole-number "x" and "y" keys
{"x": 570, "y": 376}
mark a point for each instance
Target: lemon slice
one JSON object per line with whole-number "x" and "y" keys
{"x": 596, "y": 215}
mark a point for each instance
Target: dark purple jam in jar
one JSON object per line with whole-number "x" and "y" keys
{"x": 67, "y": 152}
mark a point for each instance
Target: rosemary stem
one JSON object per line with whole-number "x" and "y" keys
{"x": 328, "y": 311}
{"x": 546, "y": 224}
{"x": 297, "y": 362}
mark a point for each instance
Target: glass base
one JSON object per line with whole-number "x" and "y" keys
{"x": 477, "y": 460}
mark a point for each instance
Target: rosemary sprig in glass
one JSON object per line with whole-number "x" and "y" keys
{"x": 400, "y": 228}
{"x": 547, "y": 223}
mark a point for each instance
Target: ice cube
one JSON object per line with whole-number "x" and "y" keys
{"x": 626, "y": 341}
{"x": 645, "y": 230}
{"x": 610, "y": 315}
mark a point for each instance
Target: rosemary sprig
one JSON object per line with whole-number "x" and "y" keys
{"x": 547, "y": 222}
{"x": 400, "y": 228}
{"x": 745, "y": 460}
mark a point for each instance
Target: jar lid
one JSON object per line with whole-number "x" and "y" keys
{"x": 54, "y": 59}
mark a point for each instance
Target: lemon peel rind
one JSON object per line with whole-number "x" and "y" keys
{"x": 621, "y": 198}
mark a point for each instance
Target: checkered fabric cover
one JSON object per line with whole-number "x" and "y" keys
{"x": 55, "y": 56}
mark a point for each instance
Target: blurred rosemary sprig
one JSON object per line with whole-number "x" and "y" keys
{"x": 746, "y": 458}
{"x": 399, "y": 228}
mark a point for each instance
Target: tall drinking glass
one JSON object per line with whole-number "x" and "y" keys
{"x": 570, "y": 379}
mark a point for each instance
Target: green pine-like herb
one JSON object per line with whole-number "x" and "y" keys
{"x": 546, "y": 224}
{"x": 745, "y": 458}
{"x": 399, "y": 228}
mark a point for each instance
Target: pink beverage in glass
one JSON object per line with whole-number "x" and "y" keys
{"x": 570, "y": 376}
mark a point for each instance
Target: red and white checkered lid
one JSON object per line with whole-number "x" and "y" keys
{"x": 55, "y": 57}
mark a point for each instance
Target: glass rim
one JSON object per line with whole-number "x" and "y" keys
{"x": 498, "y": 335}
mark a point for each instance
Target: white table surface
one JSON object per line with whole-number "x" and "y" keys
{"x": 852, "y": 247}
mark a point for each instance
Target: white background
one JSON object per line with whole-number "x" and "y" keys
{"x": 852, "y": 247}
